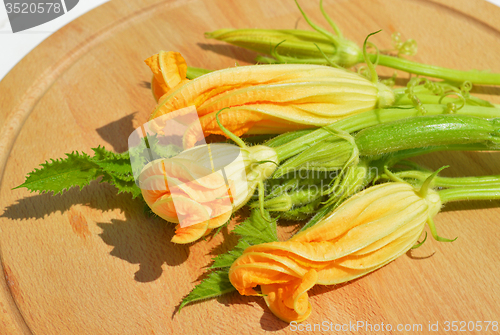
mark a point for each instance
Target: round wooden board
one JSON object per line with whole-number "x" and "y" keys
{"x": 90, "y": 262}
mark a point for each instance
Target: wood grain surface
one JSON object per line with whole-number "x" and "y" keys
{"x": 90, "y": 262}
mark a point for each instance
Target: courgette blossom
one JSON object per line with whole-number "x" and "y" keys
{"x": 263, "y": 99}
{"x": 201, "y": 187}
{"x": 369, "y": 230}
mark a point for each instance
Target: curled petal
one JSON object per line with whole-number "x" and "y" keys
{"x": 169, "y": 70}
{"x": 184, "y": 235}
{"x": 290, "y": 302}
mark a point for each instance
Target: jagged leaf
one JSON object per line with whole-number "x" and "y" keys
{"x": 59, "y": 175}
{"x": 116, "y": 166}
{"x": 123, "y": 184}
{"x": 225, "y": 260}
{"x": 80, "y": 169}
{"x": 254, "y": 230}
{"x": 216, "y": 284}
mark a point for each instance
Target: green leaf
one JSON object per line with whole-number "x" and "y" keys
{"x": 61, "y": 174}
{"x": 123, "y": 184}
{"x": 80, "y": 169}
{"x": 116, "y": 166}
{"x": 100, "y": 153}
{"x": 216, "y": 284}
{"x": 254, "y": 230}
{"x": 227, "y": 259}
{"x": 166, "y": 151}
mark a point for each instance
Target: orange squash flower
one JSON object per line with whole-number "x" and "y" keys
{"x": 198, "y": 189}
{"x": 366, "y": 232}
{"x": 179, "y": 189}
{"x": 263, "y": 99}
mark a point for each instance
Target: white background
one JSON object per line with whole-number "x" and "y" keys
{"x": 13, "y": 47}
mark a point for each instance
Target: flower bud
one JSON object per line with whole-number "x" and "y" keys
{"x": 294, "y": 44}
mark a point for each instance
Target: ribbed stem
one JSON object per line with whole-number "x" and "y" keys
{"x": 474, "y": 76}
{"x": 424, "y": 131}
{"x": 451, "y": 182}
{"x": 470, "y": 193}
{"x": 371, "y": 118}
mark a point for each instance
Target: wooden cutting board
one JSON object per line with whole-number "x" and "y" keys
{"x": 90, "y": 262}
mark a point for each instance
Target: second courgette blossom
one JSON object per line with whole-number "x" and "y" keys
{"x": 366, "y": 232}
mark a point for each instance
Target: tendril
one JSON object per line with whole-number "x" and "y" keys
{"x": 434, "y": 234}
{"x": 414, "y": 82}
{"x": 371, "y": 67}
{"x": 426, "y": 185}
{"x": 451, "y": 107}
{"x": 390, "y": 81}
{"x": 408, "y": 47}
{"x": 434, "y": 87}
{"x": 228, "y": 133}
{"x": 328, "y": 60}
{"x": 261, "y": 188}
{"x": 330, "y": 21}
{"x": 418, "y": 245}
{"x": 275, "y": 54}
{"x": 392, "y": 176}
{"x": 316, "y": 27}
{"x": 263, "y": 162}
{"x": 465, "y": 88}
{"x": 363, "y": 71}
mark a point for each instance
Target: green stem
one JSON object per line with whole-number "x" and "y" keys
{"x": 394, "y": 157}
{"x": 429, "y": 99}
{"x": 451, "y": 182}
{"x": 474, "y": 76}
{"x": 424, "y": 131}
{"x": 372, "y": 118}
{"x": 470, "y": 193}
